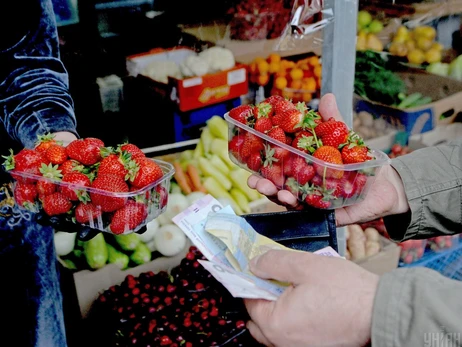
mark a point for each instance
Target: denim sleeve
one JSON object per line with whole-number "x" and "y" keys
{"x": 34, "y": 95}
{"x": 432, "y": 180}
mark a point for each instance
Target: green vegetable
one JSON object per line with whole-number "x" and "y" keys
{"x": 414, "y": 100}
{"x": 117, "y": 257}
{"x": 210, "y": 170}
{"x": 217, "y": 191}
{"x": 218, "y": 127}
{"x": 241, "y": 199}
{"x": 96, "y": 252}
{"x": 141, "y": 255}
{"x": 69, "y": 264}
{"x": 206, "y": 139}
{"x": 239, "y": 178}
{"x": 455, "y": 68}
{"x": 441, "y": 69}
{"x": 128, "y": 242}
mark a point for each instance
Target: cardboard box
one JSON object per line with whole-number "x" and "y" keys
{"x": 195, "y": 92}
{"x": 384, "y": 261}
{"x": 445, "y": 92}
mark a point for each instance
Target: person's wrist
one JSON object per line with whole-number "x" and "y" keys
{"x": 367, "y": 304}
{"x": 402, "y": 204}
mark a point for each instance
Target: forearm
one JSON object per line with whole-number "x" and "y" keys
{"x": 415, "y": 306}
{"x": 432, "y": 179}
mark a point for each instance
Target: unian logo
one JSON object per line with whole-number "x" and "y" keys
{"x": 216, "y": 92}
{"x": 442, "y": 339}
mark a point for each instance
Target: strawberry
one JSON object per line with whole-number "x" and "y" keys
{"x": 56, "y": 154}
{"x": 302, "y": 171}
{"x": 111, "y": 184}
{"x": 132, "y": 149}
{"x": 84, "y": 151}
{"x": 289, "y": 140}
{"x": 332, "y": 132}
{"x": 304, "y": 141}
{"x": 148, "y": 172}
{"x": 263, "y": 125}
{"x": 241, "y": 113}
{"x": 95, "y": 141}
{"x": 44, "y": 142}
{"x": 70, "y": 165}
{"x": 113, "y": 164}
{"x": 162, "y": 194}
{"x": 290, "y": 120}
{"x": 251, "y": 144}
{"x": 274, "y": 173}
{"x": 86, "y": 212}
{"x": 26, "y": 160}
{"x": 359, "y": 181}
{"x": 45, "y": 187}
{"x": 280, "y": 107}
{"x": 263, "y": 109}
{"x": 56, "y": 203}
{"x": 288, "y": 165}
{"x": 254, "y": 161}
{"x": 74, "y": 187}
{"x": 235, "y": 146}
{"x": 278, "y": 134}
{"x": 274, "y": 99}
{"x": 293, "y": 186}
{"x": 25, "y": 194}
{"x": 330, "y": 155}
{"x": 330, "y": 185}
{"x": 128, "y": 217}
{"x": 347, "y": 188}
{"x": 317, "y": 200}
{"x": 354, "y": 153}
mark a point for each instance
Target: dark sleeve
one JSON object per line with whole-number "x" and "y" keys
{"x": 34, "y": 95}
{"x": 432, "y": 180}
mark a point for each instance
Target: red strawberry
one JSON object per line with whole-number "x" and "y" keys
{"x": 251, "y": 144}
{"x": 56, "y": 203}
{"x": 149, "y": 172}
{"x": 128, "y": 217}
{"x": 86, "y": 212}
{"x": 241, "y": 113}
{"x": 293, "y": 186}
{"x": 26, "y": 160}
{"x": 274, "y": 173}
{"x": 84, "y": 151}
{"x": 281, "y": 106}
{"x": 112, "y": 184}
{"x": 112, "y": 164}
{"x": 134, "y": 150}
{"x": 304, "y": 141}
{"x": 290, "y": 120}
{"x": 70, "y": 165}
{"x": 45, "y": 187}
{"x": 281, "y": 154}
{"x": 278, "y": 134}
{"x": 288, "y": 165}
{"x": 263, "y": 125}
{"x": 254, "y": 161}
{"x": 74, "y": 186}
{"x": 289, "y": 139}
{"x": 330, "y": 185}
{"x": 274, "y": 99}
{"x": 359, "y": 180}
{"x": 347, "y": 188}
{"x": 331, "y": 155}
{"x": 302, "y": 171}
{"x": 44, "y": 142}
{"x": 162, "y": 196}
{"x": 235, "y": 146}
{"x": 56, "y": 154}
{"x": 354, "y": 153}
{"x": 332, "y": 133}
{"x": 25, "y": 194}
{"x": 263, "y": 109}
{"x": 317, "y": 200}
{"x": 95, "y": 141}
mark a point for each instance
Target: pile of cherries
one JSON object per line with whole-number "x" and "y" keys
{"x": 186, "y": 307}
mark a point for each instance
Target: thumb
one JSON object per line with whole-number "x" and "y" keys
{"x": 328, "y": 108}
{"x": 281, "y": 265}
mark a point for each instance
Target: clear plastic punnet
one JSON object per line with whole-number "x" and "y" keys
{"x": 330, "y": 185}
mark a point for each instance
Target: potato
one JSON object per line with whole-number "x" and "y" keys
{"x": 356, "y": 242}
{"x": 372, "y": 234}
{"x": 372, "y": 248}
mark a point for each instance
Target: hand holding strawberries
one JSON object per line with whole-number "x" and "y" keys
{"x": 385, "y": 197}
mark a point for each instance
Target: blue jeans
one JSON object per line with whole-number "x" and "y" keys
{"x": 30, "y": 292}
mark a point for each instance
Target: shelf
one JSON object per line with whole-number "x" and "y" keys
{"x": 122, "y": 3}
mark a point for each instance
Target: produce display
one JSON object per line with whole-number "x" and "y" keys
{"x": 296, "y": 80}
{"x": 412, "y": 250}
{"x": 368, "y": 28}
{"x": 440, "y": 243}
{"x": 116, "y": 190}
{"x": 369, "y": 127}
{"x": 417, "y": 45}
{"x": 186, "y": 307}
{"x": 208, "y": 169}
{"x": 452, "y": 69}
{"x": 323, "y": 163}
{"x": 362, "y": 243}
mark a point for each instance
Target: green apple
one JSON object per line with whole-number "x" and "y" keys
{"x": 364, "y": 19}
{"x": 375, "y": 26}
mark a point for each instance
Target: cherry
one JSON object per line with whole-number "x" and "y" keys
{"x": 190, "y": 256}
{"x": 214, "y": 311}
{"x": 165, "y": 340}
{"x": 240, "y": 324}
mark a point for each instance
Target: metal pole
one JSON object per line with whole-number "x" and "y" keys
{"x": 338, "y": 66}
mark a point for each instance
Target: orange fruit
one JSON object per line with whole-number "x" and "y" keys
{"x": 280, "y": 82}
{"x": 314, "y": 61}
{"x": 281, "y": 73}
{"x": 274, "y": 67}
{"x": 296, "y": 74}
{"x": 288, "y": 94}
{"x": 274, "y": 58}
{"x": 306, "y": 97}
{"x": 309, "y": 84}
{"x": 253, "y": 68}
{"x": 263, "y": 79}
{"x": 296, "y": 84}
{"x": 263, "y": 67}
{"x": 258, "y": 60}
{"x": 318, "y": 71}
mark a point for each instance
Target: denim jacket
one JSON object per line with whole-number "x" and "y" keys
{"x": 30, "y": 69}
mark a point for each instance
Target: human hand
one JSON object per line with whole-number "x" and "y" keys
{"x": 385, "y": 197}
{"x": 65, "y": 137}
{"x": 330, "y": 301}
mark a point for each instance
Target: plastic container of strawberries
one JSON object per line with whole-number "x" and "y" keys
{"x": 154, "y": 197}
{"x": 346, "y": 184}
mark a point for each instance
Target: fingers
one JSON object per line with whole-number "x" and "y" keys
{"x": 257, "y": 333}
{"x": 266, "y": 187}
{"x": 252, "y": 181}
{"x": 288, "y": 199}
{"x": 328, "y": 107}
{"x": 284, "y": 266}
